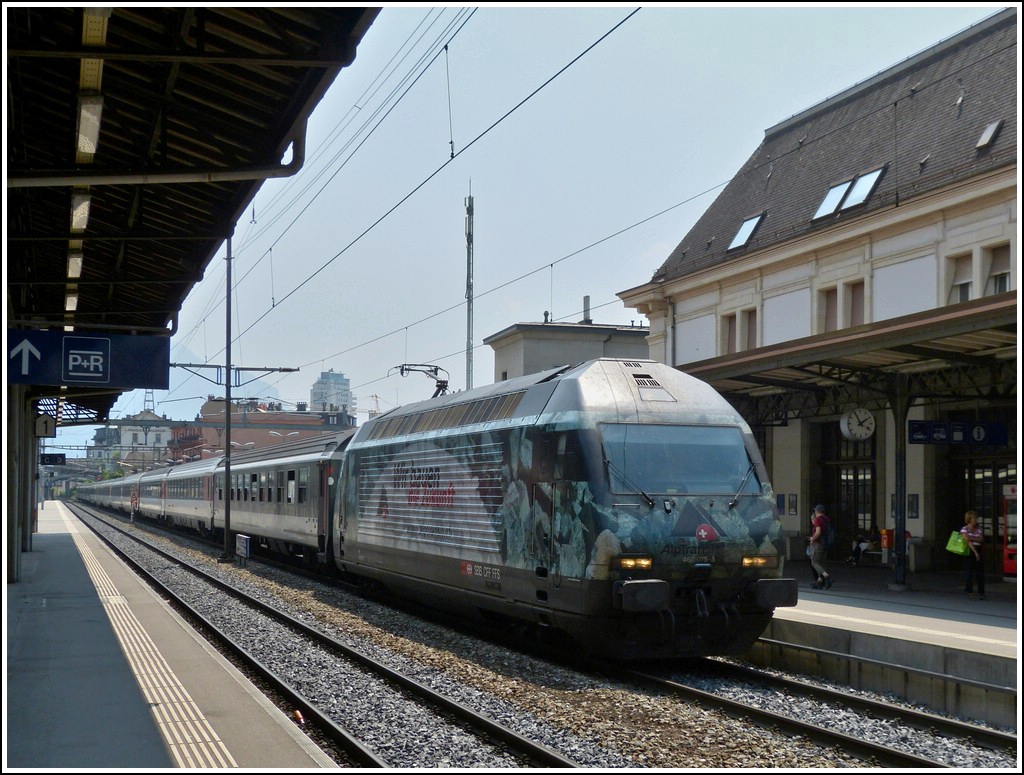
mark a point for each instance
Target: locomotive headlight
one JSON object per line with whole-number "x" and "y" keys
{"x": 634, "y": 562}
{"x": 760, "y": 561}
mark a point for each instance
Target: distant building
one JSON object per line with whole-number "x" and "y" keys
{"x": 105, "y": 448}
{"x": 332, "y": 393}
{"x": 254, "y": 424}
{"x": 527, "y": 348}
{"x": 144, "y": 445}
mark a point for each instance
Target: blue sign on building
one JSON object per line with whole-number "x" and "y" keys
{"x": 993, "y": 434}
{"x": 79, "y": 359}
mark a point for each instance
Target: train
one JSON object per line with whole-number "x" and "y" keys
{"x": 620, "y": 503}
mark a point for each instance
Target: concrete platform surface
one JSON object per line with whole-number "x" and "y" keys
{"x": 101, "y": 673}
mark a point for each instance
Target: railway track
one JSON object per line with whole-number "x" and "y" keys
{"x": 499, "y": 745}
{"x": 913, "y": 718}
{"x": 893, "y": 751}
{"x": 801, "y": 695}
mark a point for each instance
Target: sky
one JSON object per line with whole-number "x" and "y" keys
{"x": 590, "y": 139}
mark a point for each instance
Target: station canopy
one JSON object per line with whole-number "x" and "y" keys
{"x": 136, "y": 138}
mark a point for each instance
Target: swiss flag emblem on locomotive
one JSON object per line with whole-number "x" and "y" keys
{"x": 706, "y": 533}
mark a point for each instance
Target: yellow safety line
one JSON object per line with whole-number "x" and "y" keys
{"x": 190, "y": 737}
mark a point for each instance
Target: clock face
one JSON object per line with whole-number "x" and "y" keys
{"x": 857, "y": 424}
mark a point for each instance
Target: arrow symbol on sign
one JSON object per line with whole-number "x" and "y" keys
{"x": 24, "y": 350}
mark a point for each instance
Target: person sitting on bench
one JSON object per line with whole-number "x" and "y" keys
{"x": 862, "y": 544}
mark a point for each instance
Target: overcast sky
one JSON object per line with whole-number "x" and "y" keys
{"x": 591, "y": 139}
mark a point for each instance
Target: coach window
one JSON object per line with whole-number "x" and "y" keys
{"x": 303, "y": 484}
{"x": 280, "y": 486}
{"x": 291, "y": 486}
{"x": 263, "y": 486}
{"x": 253, "y": 485}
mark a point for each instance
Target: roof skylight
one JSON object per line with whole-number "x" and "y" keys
{"x": 989, "y": 135}
{"x": 746, "y": 232}
{"x": 832, "y": 199}
{"x": 862, "y": 189}
{"x": 849, "y": 193}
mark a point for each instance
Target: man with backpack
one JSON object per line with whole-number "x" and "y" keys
{"x": 820, "y": 525}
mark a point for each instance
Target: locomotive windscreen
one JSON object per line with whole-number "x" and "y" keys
{"x": 671, "y": 459}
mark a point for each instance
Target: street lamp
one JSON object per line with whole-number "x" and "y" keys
{"x": 247, "y": 444}
{"x": 283, "y": 435}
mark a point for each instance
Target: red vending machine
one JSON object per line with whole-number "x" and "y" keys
{"x": 1010, "y": 530}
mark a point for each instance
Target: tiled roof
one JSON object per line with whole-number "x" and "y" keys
{"x": 921, "y": 120}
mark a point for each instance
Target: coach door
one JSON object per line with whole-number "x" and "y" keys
{"x": 324, "y": 507}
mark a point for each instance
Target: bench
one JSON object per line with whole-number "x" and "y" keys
{"x": 871, "y": 557}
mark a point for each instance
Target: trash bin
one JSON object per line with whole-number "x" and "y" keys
{"x": 887, "y": 538}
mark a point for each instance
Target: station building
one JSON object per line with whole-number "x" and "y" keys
{"x": 853, "y": 292}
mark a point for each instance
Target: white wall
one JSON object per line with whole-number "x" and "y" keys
{"x": 787, "y": 473}
{"x": 918, "y": 478}
{"x": 904, "y": 288}
{"x": 696, "y": 339}
{"x": 787, "y": 316}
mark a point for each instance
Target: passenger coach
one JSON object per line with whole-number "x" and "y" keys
{"x": 281, "y": 495}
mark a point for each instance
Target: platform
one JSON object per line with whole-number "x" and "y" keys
{"x": 931, "y": 607}
{"x": 928, "y": 624}
{"x": 101, "y": 673}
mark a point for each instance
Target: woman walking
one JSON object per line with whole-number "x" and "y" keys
{"x": 975, "y": 568}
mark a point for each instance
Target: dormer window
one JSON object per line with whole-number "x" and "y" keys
{"x": 746, "y": 231}
{"x": 849, "y": 193}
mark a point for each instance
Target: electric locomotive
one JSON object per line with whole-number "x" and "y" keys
{"x": 623, "y": 503}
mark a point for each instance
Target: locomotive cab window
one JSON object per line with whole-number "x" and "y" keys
{"x": 676, "y": 459}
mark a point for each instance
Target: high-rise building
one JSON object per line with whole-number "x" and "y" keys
{"x": 332, "y": 392}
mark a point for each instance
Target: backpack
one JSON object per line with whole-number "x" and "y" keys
{"x": 829, "y": 537}
{"x": 829, "y": 533}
